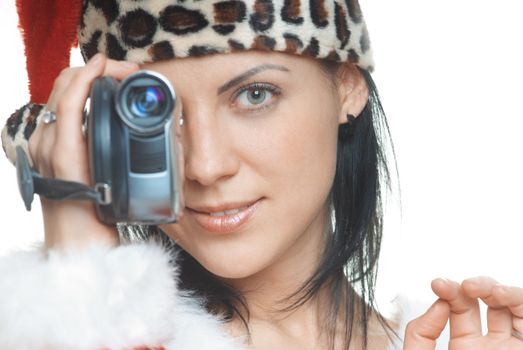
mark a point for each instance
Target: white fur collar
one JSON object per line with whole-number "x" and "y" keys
{"x": 101, "y": 299}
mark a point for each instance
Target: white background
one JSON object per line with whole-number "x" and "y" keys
{"x": 450, "y": 73}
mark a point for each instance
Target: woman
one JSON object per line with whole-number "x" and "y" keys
{"x": 273, "y": 140}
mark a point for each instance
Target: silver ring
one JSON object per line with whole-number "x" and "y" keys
{"x": 517, "y": 334}
{"x": 48, "y": 117}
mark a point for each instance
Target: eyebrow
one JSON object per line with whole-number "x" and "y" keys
{"x": 248, "y": 74}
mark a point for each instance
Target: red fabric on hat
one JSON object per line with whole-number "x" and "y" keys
{"x": 49, "y": 32}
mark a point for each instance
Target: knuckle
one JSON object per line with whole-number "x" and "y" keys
{"x": 412, "y": 327}
{"x": 59, "y": 84}
{"x": 79, "y": 77}
{"x": 66, "y": 77}
{"x": 85, "y": 74}
{"x": 63, "y": 78}
{"x": 64, "y": 73}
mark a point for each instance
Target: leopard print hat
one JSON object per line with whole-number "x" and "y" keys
{"x": 145, "y": 31}
{"x": 151, "y": 30}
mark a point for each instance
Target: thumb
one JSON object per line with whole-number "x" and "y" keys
{"x": 421, "y": 333}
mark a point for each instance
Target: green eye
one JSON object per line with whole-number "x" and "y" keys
{"x": 256, "y": 95}
{"x": 253, "y": 96}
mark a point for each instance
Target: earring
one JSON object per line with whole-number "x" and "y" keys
{"x": 181, "y": 120}
{"x": 350, "y": 124}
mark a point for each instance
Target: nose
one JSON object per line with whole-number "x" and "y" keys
{"x": 209, "y": 149}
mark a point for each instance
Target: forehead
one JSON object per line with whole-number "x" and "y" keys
{"x": 230, "y": 62}
{"x": 206, "y": 78}
{"x": 219, "y": 69}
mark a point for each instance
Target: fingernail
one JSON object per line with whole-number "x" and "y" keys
{"x": 443, "y": 279}
{"x": 438, "y": 303}
{"x": 95, "y": 60}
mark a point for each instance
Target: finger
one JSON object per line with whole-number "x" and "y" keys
{"x": 39, "y": 143}
{"x": 70, "y": 108}
{"x": 42, "y": 139}
{"x": 59, "y": 87}
{"x": 421, "y": 333}
{"x": 45, "y": 151}
{"x": 116, "y": 69}
{"x": 69, "y": 138}
{"x": 499, "y": 317}
{"x": 119, "y": 69}
{"x": 73, "y": 99}
{"x": 464, "y": 311}
{"x": 512, "y": 298}
{"x": 481, "y": 287}
{"x": 34, "y": 148}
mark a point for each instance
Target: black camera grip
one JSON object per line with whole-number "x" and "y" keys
{"x": 30, "y": 182}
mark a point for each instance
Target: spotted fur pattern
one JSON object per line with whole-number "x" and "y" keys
{"x": 19, "y": 128}
{"x": 148, "y": 31}
{"x": 153, "y": 30}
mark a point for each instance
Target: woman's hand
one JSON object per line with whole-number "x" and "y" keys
{"x": 59, "y": 150}
{"x": 460, "y": 304}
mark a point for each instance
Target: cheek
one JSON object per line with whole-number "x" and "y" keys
{"x": 293, "y": 160}
{"x": 289, "y": 158}
{"x": 296, "y": 151}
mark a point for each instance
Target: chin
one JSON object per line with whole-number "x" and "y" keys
{"x": 233, "y": 265}
{"x": 231, "y": 256}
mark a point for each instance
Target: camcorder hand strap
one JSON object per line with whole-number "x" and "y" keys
{"x": 30, "y": 182}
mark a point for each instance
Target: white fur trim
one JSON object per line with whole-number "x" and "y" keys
{"x": 195, "y": 329}
{"x": 99, "y": 298}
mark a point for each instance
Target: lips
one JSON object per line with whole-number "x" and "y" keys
{"x": 226, "y": 218}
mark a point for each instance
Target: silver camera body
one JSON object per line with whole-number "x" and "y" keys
{"x": 133, "y": 151}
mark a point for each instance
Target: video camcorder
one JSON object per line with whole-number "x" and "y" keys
{"x": 133, "y": 153}
{"x": 132, "y": 148}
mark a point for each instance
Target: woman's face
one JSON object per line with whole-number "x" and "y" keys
{"x": 259, "y": 145}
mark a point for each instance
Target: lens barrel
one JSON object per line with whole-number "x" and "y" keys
{"x": 145, "y": 102}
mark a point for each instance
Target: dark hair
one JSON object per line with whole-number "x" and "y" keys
{"x": 349, "y": 262}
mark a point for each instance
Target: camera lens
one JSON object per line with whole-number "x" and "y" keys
{"x": 145, "y": 102}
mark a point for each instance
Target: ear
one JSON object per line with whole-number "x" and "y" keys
{"x": 353, "y": 91}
